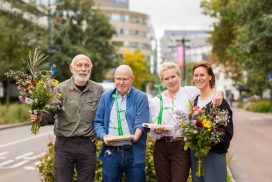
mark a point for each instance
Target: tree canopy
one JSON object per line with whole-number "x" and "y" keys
{"x": 80, "y": 28}
{"x": 242, "y": 40}
{"x": 138, "y": 64}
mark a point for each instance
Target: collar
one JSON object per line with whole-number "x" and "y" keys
{"x": 72, "y": 85}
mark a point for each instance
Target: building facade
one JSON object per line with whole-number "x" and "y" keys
{"x": 133, "y": 29}
{"x": 196, "y": 45}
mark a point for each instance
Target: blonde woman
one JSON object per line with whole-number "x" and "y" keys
{"x": 172, "y": 163}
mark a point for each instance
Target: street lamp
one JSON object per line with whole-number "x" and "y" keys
{"x": 181, "y": 56}
{"x": 49, "y": 29}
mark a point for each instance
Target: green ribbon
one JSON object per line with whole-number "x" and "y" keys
{"x": 159, "y": 90}
{"x": 118, "y": 111}
{"x": 159, "y": 118}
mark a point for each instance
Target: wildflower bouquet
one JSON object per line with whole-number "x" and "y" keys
{"x": 202, "y": 129}
{"x": 36, "y": 86}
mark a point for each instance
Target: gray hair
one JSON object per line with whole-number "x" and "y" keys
{"x": 80, "y": 56}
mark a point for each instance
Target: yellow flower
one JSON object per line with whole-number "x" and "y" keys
{"x": 56, "y": 82}
{"x": 206, "y": 124}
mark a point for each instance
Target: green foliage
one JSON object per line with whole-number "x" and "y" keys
{"x": 46, "y": 168}
{"x": 17, "y": 37}
{"x": 139, "y": 66}
{"x": 14, "y": 113}
{"x": 80, "y": 28}
{"x": 262, "y": 106}
{"x": 242, "y": 41}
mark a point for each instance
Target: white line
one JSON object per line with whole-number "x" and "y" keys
{"x": 6, "y": 162}
{"x": 18, "y": 164}
{"x": 24, "y": 155}
{"x": 36, "y": 156}
{"x": 30, "y": 168}
{"x": 26, "y": 139}
{"x": 3, "y": 153}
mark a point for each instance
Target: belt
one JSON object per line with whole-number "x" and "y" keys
{"x": 171, "y": 139}
{"x": 120, "y": 148}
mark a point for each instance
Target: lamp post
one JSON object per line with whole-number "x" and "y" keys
{"x": 49, "y": 30}
{"x": 181, "y": 56}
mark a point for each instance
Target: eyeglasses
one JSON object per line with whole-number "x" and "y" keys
{"x": 122, "y": 79}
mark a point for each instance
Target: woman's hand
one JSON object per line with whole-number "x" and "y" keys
{"x": 158, "y": 130}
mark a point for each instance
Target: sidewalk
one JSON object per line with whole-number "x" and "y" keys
{"x": 7, "y": 126}
{"x": 251, "y": 146}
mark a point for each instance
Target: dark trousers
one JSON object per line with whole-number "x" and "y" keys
{"x": 172, "y": 163}
{"x": 74, "y": 152}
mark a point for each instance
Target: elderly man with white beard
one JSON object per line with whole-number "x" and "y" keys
{"x": 75, "y": 135}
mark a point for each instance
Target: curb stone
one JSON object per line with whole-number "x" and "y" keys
{"x": 8, "y": 126}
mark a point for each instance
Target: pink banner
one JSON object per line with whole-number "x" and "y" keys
{"x": 180, "y": 56}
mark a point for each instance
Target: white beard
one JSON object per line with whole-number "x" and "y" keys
{"x": 78, "y": 78}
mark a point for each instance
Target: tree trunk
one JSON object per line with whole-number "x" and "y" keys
{"x": 8, "y": 91}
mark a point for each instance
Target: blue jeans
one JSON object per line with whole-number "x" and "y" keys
{"x": 117, "y": 163}
{"x": 214, "y": 167}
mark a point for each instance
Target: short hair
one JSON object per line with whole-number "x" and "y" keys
{"x": 82, "y": 56}
{"x": 208, "y": 67}
{"x": 167, "y": 66}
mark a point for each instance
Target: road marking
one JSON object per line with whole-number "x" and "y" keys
{"x": 18, "y": 164}
{"x": 3, "y": 153}
{"x": 30, "y": 168}
{"x": 26, "y": 139}
{"x": 36, "y": 156}
{"x": 24, "y": 155}
{"x": 6, "y": 162}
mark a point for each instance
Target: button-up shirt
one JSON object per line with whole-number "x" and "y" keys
{"x": 76, "y": 118}
{"x": 180, "y": 102}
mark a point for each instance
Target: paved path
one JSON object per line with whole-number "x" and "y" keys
{"x": 251, "y": 147}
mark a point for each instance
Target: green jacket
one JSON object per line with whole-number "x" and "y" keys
{"x": 76, "y": 118}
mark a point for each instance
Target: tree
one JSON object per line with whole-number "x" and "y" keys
{"x": 242, "y": 40}
{"x": 139, "y": 66}
{"x": 80, "y": 28}
{"x": 17, "y": 37}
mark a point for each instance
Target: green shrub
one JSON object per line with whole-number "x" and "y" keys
{"x": 46, "y": 167}
{"x": 262, "y": 106}
{"x": 13, "y": 113}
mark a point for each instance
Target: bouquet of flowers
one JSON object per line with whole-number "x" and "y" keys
{"x": 202, "y": 129}
{"x": 36, "y": 86}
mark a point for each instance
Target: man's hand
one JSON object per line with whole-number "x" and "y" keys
{"x": 93, "y": 139}
{"x": 106, "y": 141}
{"x": 35, "y": 117}
{"x": 137, "y": 135}
{"x": 218, "y": 98}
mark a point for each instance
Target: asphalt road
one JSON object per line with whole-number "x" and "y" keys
{"x": 20, "y": 152}
{"x": 250, "y": 150}
{"x": 251, "y": 147}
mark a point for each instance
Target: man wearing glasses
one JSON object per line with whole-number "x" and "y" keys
{"x": 121, "y": 111}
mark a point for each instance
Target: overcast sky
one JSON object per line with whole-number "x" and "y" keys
{"x": 172, "y": 14}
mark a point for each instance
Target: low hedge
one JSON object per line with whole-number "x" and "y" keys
{"x": 262, "y": 106}
{"x": 13, "y": 113}
{"x": 46, "y": 167}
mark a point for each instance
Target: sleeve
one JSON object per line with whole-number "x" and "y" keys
{"x": 142, "y": 112}
{"x": 192, "y": 91}
{"x": 47, "y": 117}
{"x": 154, "y": 111}
{"x": 99, "y": 119}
